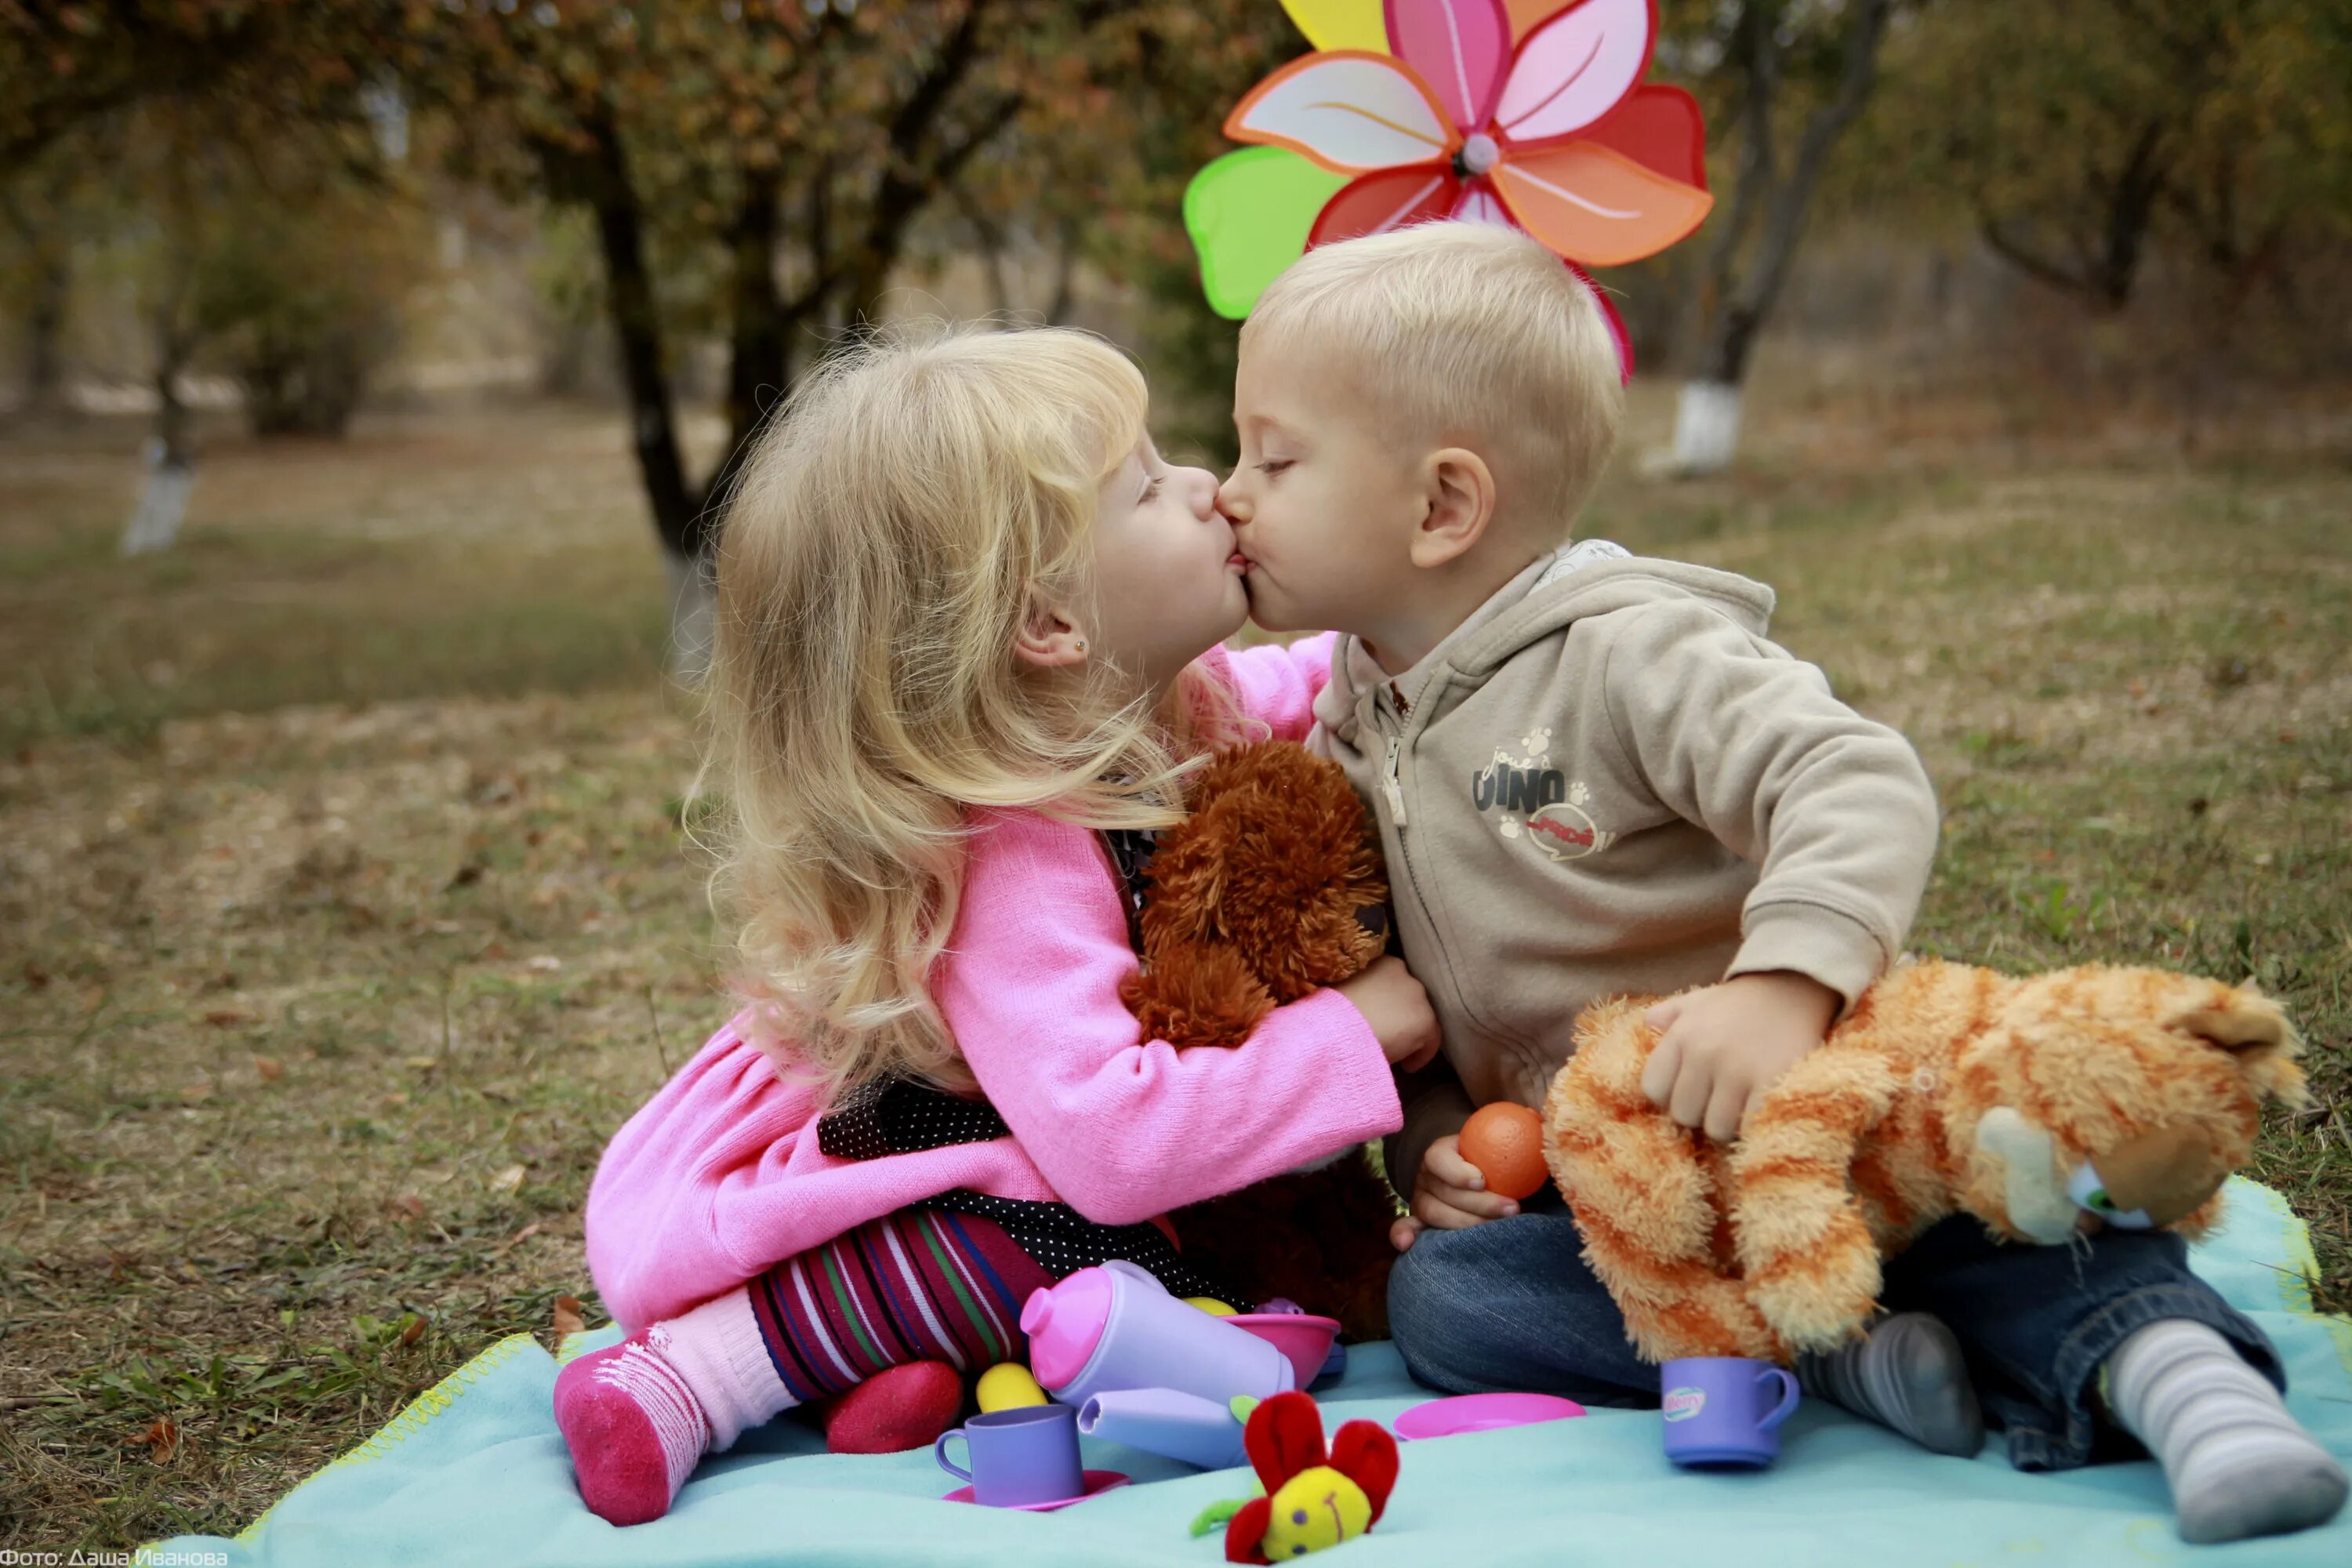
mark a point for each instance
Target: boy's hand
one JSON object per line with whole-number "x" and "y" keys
{"x": 1449, "y": 1194}
{"x": 1398, "y": 1011}
{"x": 1726, "y": 1044}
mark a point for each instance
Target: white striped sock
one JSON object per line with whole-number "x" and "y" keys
{"x": 718, "y": 1351}
{"x": 2238, "y": 1464}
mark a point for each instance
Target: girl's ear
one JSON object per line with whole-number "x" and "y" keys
{"x": 1461, "y": 504}
{"x": 1048, "y": 638}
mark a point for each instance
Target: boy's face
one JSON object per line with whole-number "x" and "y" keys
{"x": 1323, "y": 506}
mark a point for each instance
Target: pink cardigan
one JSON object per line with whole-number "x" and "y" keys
{"x": 719, "y": 1175}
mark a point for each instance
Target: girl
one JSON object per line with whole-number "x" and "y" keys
{"x": 967, "y": 651}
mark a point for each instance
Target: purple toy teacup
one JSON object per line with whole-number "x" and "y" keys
{"x": 1019, "y": 1456}
{"x": 1725, "y": 1410}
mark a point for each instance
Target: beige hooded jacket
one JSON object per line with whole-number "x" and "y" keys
{"x": 1607, "y": 781}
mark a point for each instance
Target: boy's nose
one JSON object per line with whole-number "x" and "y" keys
{"x": 1230, "y": 502}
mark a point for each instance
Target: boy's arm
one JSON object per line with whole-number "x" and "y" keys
{"x": 1731, "y": 733}
{"x": 1436, "y": 1104}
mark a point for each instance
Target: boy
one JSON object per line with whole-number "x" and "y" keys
{"x": 1593, "y": 774}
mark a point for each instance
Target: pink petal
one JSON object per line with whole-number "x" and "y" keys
{"x": 1461, "y": 49}
{"x": 1575, "y": 68}
{"x": 1480, "y": 205}
{"x": 1351, "y": 112}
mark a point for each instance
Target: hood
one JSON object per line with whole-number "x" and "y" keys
{"x": 1541, "y": 600}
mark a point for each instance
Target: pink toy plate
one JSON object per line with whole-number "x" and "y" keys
{"x": 1096, "y": 1481}
{"x": 1483, "y": 1413}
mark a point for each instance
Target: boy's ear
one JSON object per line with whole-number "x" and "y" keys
{"x": 1459, "y": 504}
{"x": 1048, "y": 638}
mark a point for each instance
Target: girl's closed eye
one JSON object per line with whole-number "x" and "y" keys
{"x": 1151, "y": 487}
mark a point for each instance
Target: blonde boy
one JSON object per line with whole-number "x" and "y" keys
{"x": 1592, "y": 775}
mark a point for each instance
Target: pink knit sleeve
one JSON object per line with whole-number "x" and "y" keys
{"x": 1280, "y": 685}
{"x": 1125, "y": 1128}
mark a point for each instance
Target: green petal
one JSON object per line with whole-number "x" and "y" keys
{"x": 1248, "y": 214}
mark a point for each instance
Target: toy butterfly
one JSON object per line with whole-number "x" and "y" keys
{"x": 1312, "y": 1500}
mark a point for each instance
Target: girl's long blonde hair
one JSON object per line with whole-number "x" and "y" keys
{"x": 897, "y": 521}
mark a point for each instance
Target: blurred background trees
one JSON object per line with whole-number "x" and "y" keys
{"x": 274, "y": 203}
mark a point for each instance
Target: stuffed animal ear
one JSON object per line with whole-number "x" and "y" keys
{"x": 2253, "y": 1029}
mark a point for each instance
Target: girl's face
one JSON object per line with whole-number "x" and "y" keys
{"x": 1167, "y": 579}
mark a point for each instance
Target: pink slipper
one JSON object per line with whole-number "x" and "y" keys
{"x": 634, "y": 1427}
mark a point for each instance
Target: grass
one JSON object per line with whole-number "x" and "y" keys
{"x": 347, "y": 915}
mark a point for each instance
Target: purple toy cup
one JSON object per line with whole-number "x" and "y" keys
{"x": 1725, "y": 1410}
{"x": 1115, "y": 1327}
{"x": 1018, "y": 1456}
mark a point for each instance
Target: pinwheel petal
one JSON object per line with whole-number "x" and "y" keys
{"x": 1480, "y": 205}
{"x": 1461, "y": 48}
{"x": 1527, "y": 15}
{"x": 1660, "y": 129}
{"x": 1248, "y": 214}
{"x": 1618, "y": 333}
{"x": 1595, "y": 205}
{"x": 1575, "y": 68}
{"x": 1392, "y": 198}
{"x": 1340, "y": 24}
{"x": 1350, "y": 112}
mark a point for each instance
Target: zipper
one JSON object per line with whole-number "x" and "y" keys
{"x": 1391, "y": 785}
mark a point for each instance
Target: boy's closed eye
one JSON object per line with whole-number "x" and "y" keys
{"x": 1273, "y": 466}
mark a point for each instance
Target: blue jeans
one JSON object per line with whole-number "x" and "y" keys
{"x": 1510, "y": 1304}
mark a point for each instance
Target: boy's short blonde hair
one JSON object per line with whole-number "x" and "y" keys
{"x": 1464, "y": 332}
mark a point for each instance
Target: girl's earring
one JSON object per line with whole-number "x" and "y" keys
{"x": 1082, "y": 647}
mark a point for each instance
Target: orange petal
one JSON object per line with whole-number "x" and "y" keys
{"x": 1596, "y": 206}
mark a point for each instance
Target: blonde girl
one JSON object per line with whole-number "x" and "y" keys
{"x": 968, "y": 649}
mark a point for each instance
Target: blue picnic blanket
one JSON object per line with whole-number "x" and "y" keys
{"x": 473, "y": 1475}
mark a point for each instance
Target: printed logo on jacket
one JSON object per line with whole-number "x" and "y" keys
{"x": 1532, "y": 800}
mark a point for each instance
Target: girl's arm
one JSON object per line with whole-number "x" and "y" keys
{"x": 1280, "y": 685}
{"x": 1125, "y": 1128}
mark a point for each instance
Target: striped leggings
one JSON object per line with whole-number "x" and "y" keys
{"x": 922, "y": 1284}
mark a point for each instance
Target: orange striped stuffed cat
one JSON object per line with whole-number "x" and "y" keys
{"x": 2043, "y": 1106}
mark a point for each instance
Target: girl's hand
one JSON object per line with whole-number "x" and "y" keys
{"x": 1449, "y": 1194}
{"x": 1398, "y": 1010}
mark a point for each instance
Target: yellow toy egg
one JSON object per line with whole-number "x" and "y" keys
{"x": 1209, "y": 1305}
{"x": 1008, "y": 1385}
{"x": 1316, "y": 1509}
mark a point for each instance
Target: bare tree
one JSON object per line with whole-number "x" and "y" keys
{"x": 1757, "y": 241}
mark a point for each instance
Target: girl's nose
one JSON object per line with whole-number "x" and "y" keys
{"x": 1200, "y": 488}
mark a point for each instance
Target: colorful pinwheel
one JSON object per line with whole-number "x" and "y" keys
{"x": 1526, "y": 112}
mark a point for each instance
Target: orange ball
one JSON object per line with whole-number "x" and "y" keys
{"x": 1504, "y": 1141}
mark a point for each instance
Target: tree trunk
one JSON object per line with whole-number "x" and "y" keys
{"x": 43, "y": 330}
{"x": 638, "y": 338}
{"x": 1706, "y": 421}
{"x": 171, "y": 461}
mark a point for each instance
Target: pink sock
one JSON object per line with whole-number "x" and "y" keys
{"x": 639, "y": 1416}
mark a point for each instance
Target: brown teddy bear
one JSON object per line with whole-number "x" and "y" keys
{"x": 1271, "y": 888}
{"x": 2042, "y": 1106}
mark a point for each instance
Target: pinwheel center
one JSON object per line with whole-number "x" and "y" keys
{"x": 1477, "y": 155}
